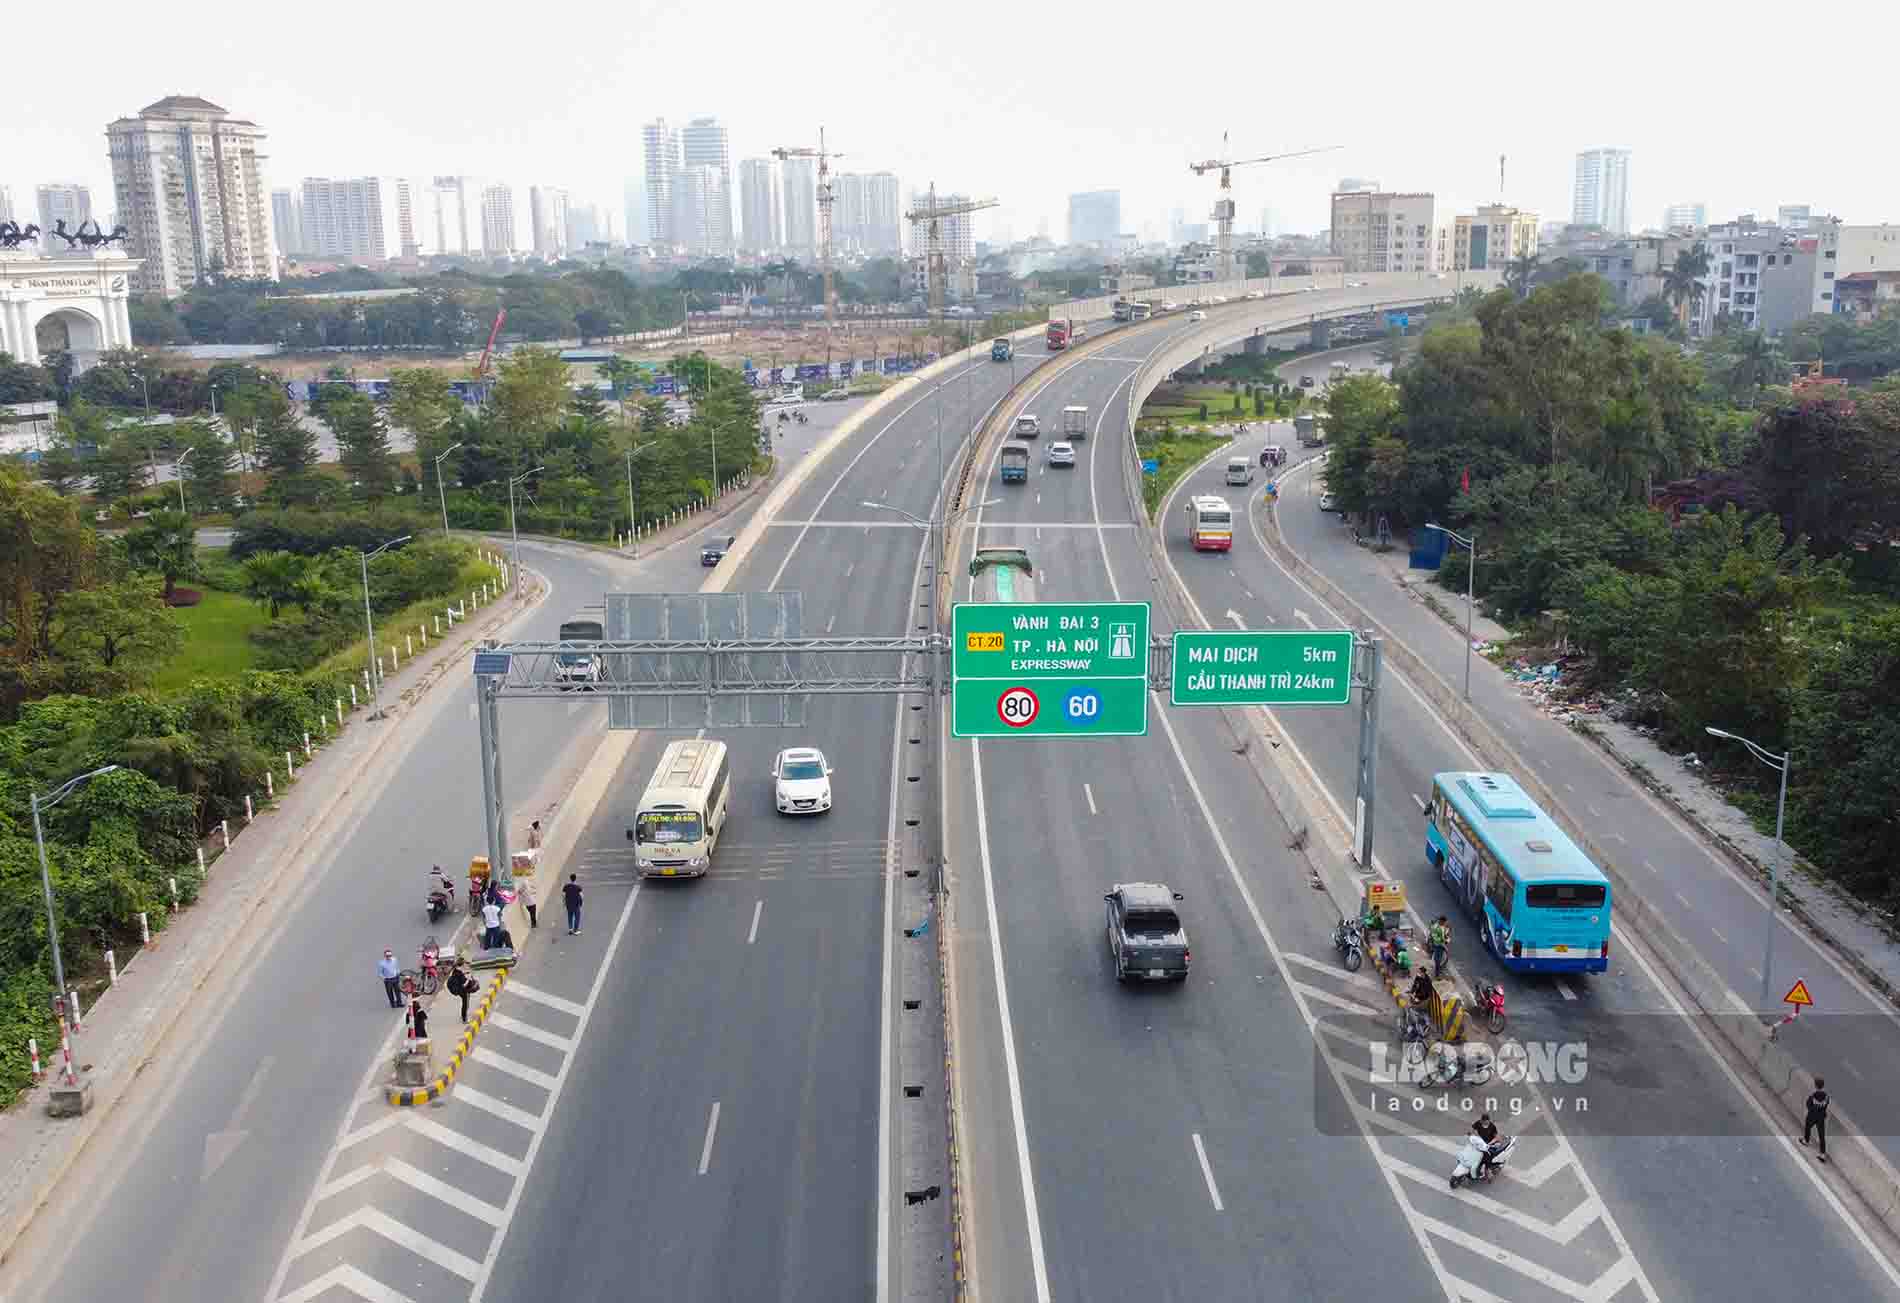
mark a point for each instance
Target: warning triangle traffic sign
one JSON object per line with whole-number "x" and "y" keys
{"x": 1798, "y": 995}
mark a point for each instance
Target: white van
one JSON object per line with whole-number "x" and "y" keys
{"x": 1239, "y": 471}
{"x": 683, "y": 810}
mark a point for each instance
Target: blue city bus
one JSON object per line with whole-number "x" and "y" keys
{"x": 1540, "y": 904}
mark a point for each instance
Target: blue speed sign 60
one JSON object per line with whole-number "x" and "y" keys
{"x": 1082, "y": 706}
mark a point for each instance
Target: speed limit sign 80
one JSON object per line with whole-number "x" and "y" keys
{"x": 1018, "y": 707}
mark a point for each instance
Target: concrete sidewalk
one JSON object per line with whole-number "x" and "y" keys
{"x": 123, "y": 1030}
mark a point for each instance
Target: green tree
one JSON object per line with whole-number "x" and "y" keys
{"x": 166, "y": 545}
{"x": 285, "y": 446}
{"x": 121, "y": 466}
{"x": 47, "y": 549}
{"x": 362, "y": 438}
{"x": 1518, "y": 273}
{"x": 1845, "y": 734}
{"x": 421, "y": 402}
{"x": 1391, "y": 349}
{"x": 1830, "y": 471}
{"x": 210, "y": 467}
{"x": 124, "y": 628}
{"x": 21, "y": 382}
{"x": 530, "y": 391}
{"x": 275, "y": 580}
{"x": 1682, "y": 283}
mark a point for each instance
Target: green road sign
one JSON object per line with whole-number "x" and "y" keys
{"x": 1263, "y": 667}
{"x": 1049, "y": 669}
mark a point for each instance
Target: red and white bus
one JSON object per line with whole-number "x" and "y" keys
{"x": 1210, "y": 523}
{"x": 1057, "y": 336}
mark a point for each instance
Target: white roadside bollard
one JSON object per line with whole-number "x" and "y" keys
{"x": 145, "y": 930}
{"x": 352, "y": 700}
{"x": 249, "y": 813}
{"x": 112, "y": 968}
{"x": 339, "y": 711}
{"x": 174, "y": 884}
{"x": 33, "y": 1049}
{"x": 290, "y": 770}
{"x": 408, "y": 646}
{"x": 306, "y": 746}
{"x": 224, "y": 827}
{"x": 203, "y": 871}
{"x": 270, "y": 787}
{"x": 78, "y": 1023}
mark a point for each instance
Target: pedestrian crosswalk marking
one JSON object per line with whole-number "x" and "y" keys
{"x": 1339, "y": 1002}
{"x": 530, "y": 1032}
{"x": 344, "y": 1276}
{"x": 375, "y": 1128}
{"x": 494, "y": 1059}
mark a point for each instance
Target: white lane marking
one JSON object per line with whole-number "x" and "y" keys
{"x": 1089, "y": 792}
{"x": 1718, "y": 935}
{"x": 1235, "y": 616}
{"x": 1038, "y": 497}
{"x": 1304, "y": 618}
{"x": 1685, "y": 900}
{"x": 539, "y": 996}
{"x": 529, "y": 1122}
{"x": 830, "y": 622}
{"x": 533, "y": 1076}
{"x": 374, "y": 1219}
{"x": 1564, "y": 989}
{"x": 1651, "y": 867}
{"x": 1417, "y": 800}
{"x": 471, "y": 710}
{"x": 461, "y": 1144}
{"x": 1038, "y": 1267}
{"x": 347, "y": 1181}
{"x": 531, "y": 1032}
{"x": 1855, "y": 1072}
{"x": 848, "y": 569}
{"x": 1754, "y": 972}
{"x": 351, "y": 1281}
{"x": 712, "y": 1130}
{"x": 369, "y": 1129}
{"x": 442, "y": 1191}
{"x": 560, "y": 1085}
{"x": 758, "y": 908}
{"x": 1213, "y": 1191}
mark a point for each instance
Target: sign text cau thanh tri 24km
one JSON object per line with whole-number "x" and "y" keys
{"x": 1049, "y": 669}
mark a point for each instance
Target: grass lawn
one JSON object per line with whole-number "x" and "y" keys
{"x": 1177, "y": 456}
{"x": 217, "y": 640}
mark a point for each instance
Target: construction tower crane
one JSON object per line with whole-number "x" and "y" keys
{"x": 1224, "y": 206}
{"x": 824, "y": 157}
{"x": 933, "y": 213}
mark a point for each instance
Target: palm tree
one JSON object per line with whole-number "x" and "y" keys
{"x": 1682, "y": 283}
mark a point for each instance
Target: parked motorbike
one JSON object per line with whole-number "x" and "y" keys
{"x": 1477, "y": 1162}
{"x": 1350, "y": 944}
{"x": 1450, "y": 1066}
{"x": 1490, "y": 1002}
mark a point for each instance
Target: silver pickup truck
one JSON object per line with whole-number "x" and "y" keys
{"x": 1145, "y": 934}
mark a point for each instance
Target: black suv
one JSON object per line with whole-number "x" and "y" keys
{"x": 715, "y": 552}
{"x": 1145, "y": 933}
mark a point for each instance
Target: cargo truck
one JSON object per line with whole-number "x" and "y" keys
{"x": 1075, "y": 423}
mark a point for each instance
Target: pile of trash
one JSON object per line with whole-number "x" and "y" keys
{"x": 1544, "y": 683}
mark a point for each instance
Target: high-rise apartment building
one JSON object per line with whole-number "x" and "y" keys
{"x": 700, "y": 205}
{"x": 1601, "y": 195}
{"x": 68, "y": 204}
{"x": 188, "y": 184}
{"x": 798, "y": 184}
{"x": 286, "y": 215}
{"x": 547, "y": 218}
{"x": 761, "y": 207}
{"x": 848, "y": 213}
{"x": 352, "y": 217}
{"x": 883, "y": 215}
{"x": 636, "y": 210}
{"x": 584, "y": 226}
{"x": 1095, "y": 216}
{"x": 498, "y": 219}
{"x": 418, "y": 225}
{"x": 1685, "y": 217}
{"x": 1376, "y": 230}
{"x": 703, "y": 143}
{"x": 1489, "y": 238}
{"x": 458, "y": 214}
{"x": 661, "y": 145}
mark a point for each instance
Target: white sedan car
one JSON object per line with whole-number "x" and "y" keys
{"x": 1061, "y": 453}
{"x": 1197, "y": 315}
{"x": 803, "y": 781}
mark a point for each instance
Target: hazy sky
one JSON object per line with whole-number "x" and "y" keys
{"x": 1024, "y": 102}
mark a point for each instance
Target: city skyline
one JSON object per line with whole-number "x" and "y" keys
{"x": 550, "y": 128}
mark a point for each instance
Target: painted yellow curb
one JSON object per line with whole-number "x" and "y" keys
{"x": 440, "y": 1086}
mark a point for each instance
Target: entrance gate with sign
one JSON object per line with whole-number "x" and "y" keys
{"x": 79, "y": 302}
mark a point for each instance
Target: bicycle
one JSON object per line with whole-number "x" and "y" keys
{"x": 1415, "y": 1033}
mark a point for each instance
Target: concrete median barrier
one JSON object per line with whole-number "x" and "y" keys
{"x": 476, "y": 1019}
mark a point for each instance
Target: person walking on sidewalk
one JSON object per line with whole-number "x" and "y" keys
{"x": 527, "y": 900}
{"x": 571, "y": 897}
{"x": 534, "y": 835}
{"x": 461, "y": 984}
{"x": 1439, "y": 938}
{"x": 391, "y": 973}
{"x": 491, "y": 924}
{"x": 1817, "y": 1116}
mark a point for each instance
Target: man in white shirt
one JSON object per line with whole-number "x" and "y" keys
{"x": 491, "y": 920}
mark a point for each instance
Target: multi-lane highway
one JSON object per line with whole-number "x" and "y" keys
{"x": 1174, "y": 1142}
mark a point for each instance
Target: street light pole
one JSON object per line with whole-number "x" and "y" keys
{"x": 441, "y": 493}
{"x": 178, "y": 469}
{"x": 633, "y": 524}
{"x": 1781, "y": 763}
{"x": 512, "y": 530}
{"x": 46, "y": 877}
{"x": 369, "y": 630}
{"x": 1471, "y": 581}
